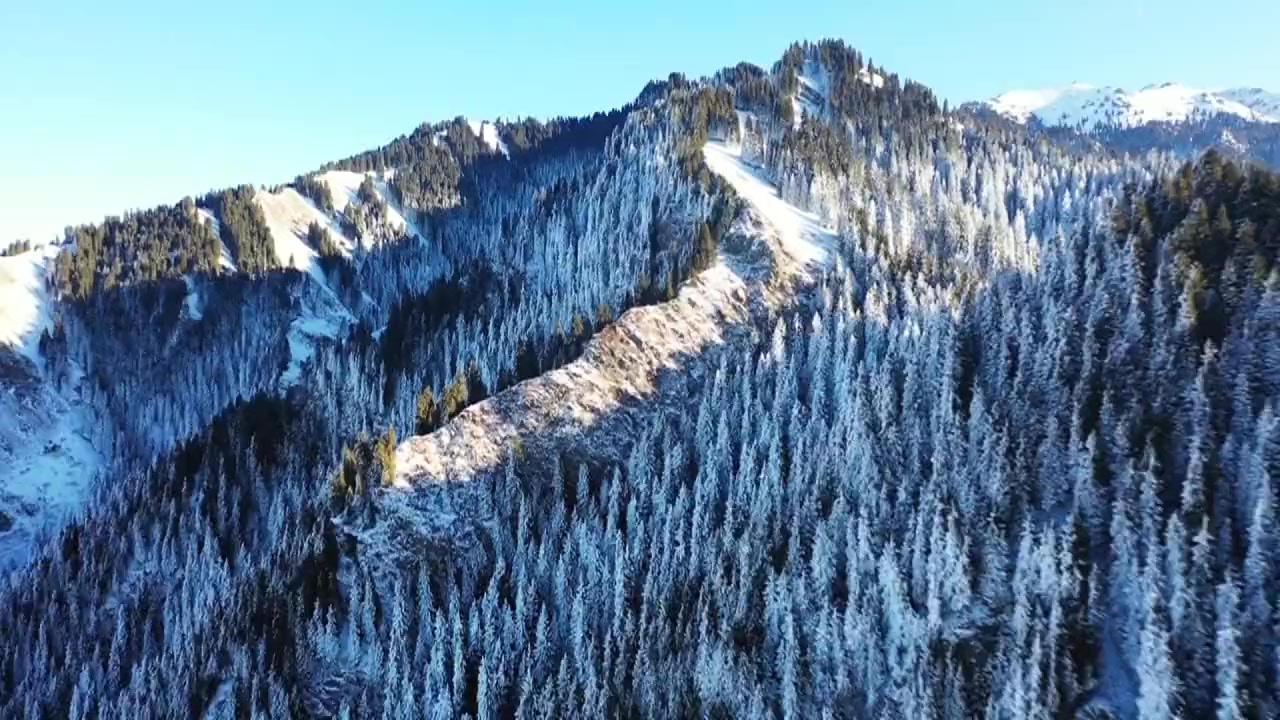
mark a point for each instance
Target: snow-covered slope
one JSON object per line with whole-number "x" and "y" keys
{"x": 625, "y": 361}
{"x": 488, "y": 133}
{"x": 1256, "y": 99}
{"x": 645, "y": 364}
{"x": 289, "y": 215}
{"x": 24, "y": 307}
{"x": 344, "y": 186}
{"x": 814, "y": 88}
{"x": 47, "y": 463}
{"x": 1084, "y": 106}
{"x": 207, "y": 216}
{"x": 51, "y": 447}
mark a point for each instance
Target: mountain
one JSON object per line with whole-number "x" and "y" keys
{"x": 782, "y": 392}
{"x": 1265, "y": 104}
{"x": 1087, "y": 107}
{"x": 1242, "y": 124}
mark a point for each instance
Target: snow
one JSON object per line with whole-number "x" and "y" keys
{"x": 193, "y": 304}
{"x": 208, "y": 217}
{"x": 225, "y": 262}
{"x": 797, "y": 113}
{"x": 302, "y": 335}
{"x": 223, "y": 703}
{"x": 1258, "y": 100}
{"x": 49, "y": 464}
{"x": 1086, "y": 106}
{"x": 1173, "y": 102}
{"x": 800, "y": 235}
{"x": 811, "y": 85}
{"x": 322, "y": 316}
{"x": 626, "y": 361}
{"x": 1020, "y": 105}
{"x": 344, "y": 185}
{"x": 1229, "y": 140}
{"x": 289, "y": 215}
{"x": 24, "y": 305}
{"x": 488, "y": 132}
{"x": 813, "y": 89}
{"x": 811, "y": 92}
{"x": 875, "y": 80}
{"x": 224, "y": 259}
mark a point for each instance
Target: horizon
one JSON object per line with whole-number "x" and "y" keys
{"x": 128, "y": 108}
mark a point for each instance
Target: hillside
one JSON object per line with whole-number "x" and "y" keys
{"x": 784, "y": 392}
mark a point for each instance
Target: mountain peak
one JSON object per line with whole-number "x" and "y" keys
{"x": 1088, "y": 107}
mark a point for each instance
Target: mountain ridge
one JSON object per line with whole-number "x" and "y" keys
{"x": 1089, "y": 107}
{"x": 780, "y": 393}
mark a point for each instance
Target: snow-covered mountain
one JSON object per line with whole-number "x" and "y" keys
{"x": 1260, "y": 101}
{"x": 661, "y": 411}
{"x": 1088, "y": 107}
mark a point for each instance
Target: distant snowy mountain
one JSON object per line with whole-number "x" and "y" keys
{"x": 1256, "y": 99}
{"x": 1088, "y": 107}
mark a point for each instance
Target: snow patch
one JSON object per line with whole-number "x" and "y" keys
{"x": 344, "y": 186}
{"x": 208, "y": 217}
{"x": 24, "y": 302}
{"x": 623, "y": 361}
{"x": 1021, "y": 105}
{"x": 811, "y": 92}
{"x": 488, "y": 133}
{"x": 224, "y": 258}
{"x": 302, "y": 335}
{"x": 289, "y": 215}
{"x": 193, "y": 304}
{"x": 800, "y": 236}
{"x": 49, "y": 463}
{"x": 875, "y": 80}
{"x": 1229, "y": 140}
{"x": 323, "y": 317}
{"x": 814, "y": 86}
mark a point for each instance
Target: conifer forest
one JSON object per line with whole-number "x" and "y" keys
{"x": 787, "y": 392}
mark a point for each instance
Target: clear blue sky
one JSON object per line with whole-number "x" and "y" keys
{"x": 112, "y": 105}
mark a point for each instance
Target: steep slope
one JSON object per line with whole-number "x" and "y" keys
{"x": 139, "y": 364}
{"x": 753, "y": 277}
{"x": 996, "y": 443}
{"x": 288, "y": 216}
{"x": 645, "y": 366}
{"x": 24, "y": 301}
{"x": 47, "y": 463}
